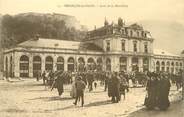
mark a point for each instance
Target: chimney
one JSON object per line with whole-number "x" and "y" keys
{"x": 106, "y": 22}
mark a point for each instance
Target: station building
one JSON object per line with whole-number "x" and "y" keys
{"x": 113, "y": 47}
{"x": 165, "y": 61}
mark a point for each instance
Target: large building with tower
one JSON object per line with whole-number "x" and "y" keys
{"x": 113, "y": 47}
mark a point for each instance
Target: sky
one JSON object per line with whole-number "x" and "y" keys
{"x": 164, "y": 15}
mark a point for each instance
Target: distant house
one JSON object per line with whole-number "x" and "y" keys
{"x": 113, "y": 47}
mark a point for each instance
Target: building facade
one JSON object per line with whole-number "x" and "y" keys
{"x": 164, "y": 61}
{"x": 113, "y": 47}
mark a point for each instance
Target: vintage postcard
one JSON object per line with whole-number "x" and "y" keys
{"x": 91, "y": 58}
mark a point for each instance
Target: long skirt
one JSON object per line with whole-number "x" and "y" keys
{"x": 73, "y": 91}
{"x": 163, "y": 101}
{"x": 150, "y": 100}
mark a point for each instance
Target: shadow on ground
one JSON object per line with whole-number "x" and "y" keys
{"x": 175, "y": 110}
{"x": 56, "y": 98}
{"x": 98, "y": 103}
{"x": 96, "y": 92}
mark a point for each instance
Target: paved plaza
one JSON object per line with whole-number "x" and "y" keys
{"x": 28, "y": 98}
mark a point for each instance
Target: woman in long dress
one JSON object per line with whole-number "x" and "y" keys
{"x": 151, "y": 99}
{"x": 163, "y": 93}
{"x": 73, "y": 88}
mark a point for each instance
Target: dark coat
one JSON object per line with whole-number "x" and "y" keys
{"x": 113, "y": 87}
{"x": 163, "y": 94}
{"x": 59, "y": 84}
{"x": 110, "y": 87}
{"x": 151, "y": 99}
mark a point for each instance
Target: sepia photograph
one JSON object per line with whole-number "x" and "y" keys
{"x": 92, "y": 58}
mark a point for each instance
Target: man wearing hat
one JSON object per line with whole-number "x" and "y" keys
{"x": 80, "y": 87}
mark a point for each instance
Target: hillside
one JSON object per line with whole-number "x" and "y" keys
{"x": 21, "y": 27}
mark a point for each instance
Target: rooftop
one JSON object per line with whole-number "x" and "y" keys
{"x": 60, "y": 44}
{"x": 51, "y": 43}
{"x": 164, "y": 53}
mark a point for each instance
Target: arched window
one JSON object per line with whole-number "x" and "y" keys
{"x": 176, "y": 68}
{"x": 36, "y": 66}
{"x": 91, "y": 64}
{"x": 71, "y": 66}
{"x": 24, "y": 66}
{"x": 108, "y": 64}
{"x": 172, "y": 63}
{"x": 172, "y": 67}
{"x": 60, "y": 64}
{"x": 81, "y": 60}
{"x": 81, "y": 64}
{"x": 135, "y": 64}
{"x": 49, "y": 63}
{"x": 157, "y": 66}
{"x": 181, "y": 64}
{"x": 131, "y": 33}
{"x": 137, "y": 33}
{"x": 168, "y": 63}
{"x": 123, "y": 63}
{"x": 177, "y": 64}
{"x": 145, "y": 64}
{"x": 135, "y": 46}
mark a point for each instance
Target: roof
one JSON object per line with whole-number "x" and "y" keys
{"x": 182, "y": 52}
{"x": 136, "y": 26}
{"x": 60, "y": 44}
{"x": 91, "y": 47}
{"x": 51, "y": 43}
{"x": 163, "y": 53}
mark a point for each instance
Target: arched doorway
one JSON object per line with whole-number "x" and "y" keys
{"x": 123, "y": 63}
{"x": 168, "y": 66}
{"x": 81, "y": 64}
{"x": 36, "y": 66}
{"x": 99, "y": 64}
{"x": 24, "y": 66}
{"x": 49, "y": 63}
{"x": 163, "y": 66}
{"x": 60, "y": 64}
{"x": 157, "y": 66}
{"x": 172, "y": 67}
{"x": 91, "y": 64}
{"x": 145, "y": 64}
{"x": 108, "y": 64}
{"x": 71, "y": 65}
{"x": 135, "y": 64}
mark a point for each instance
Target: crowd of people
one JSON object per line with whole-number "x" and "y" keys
{"x": 116, "y": 84}
{"x": 158, "y": 87}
